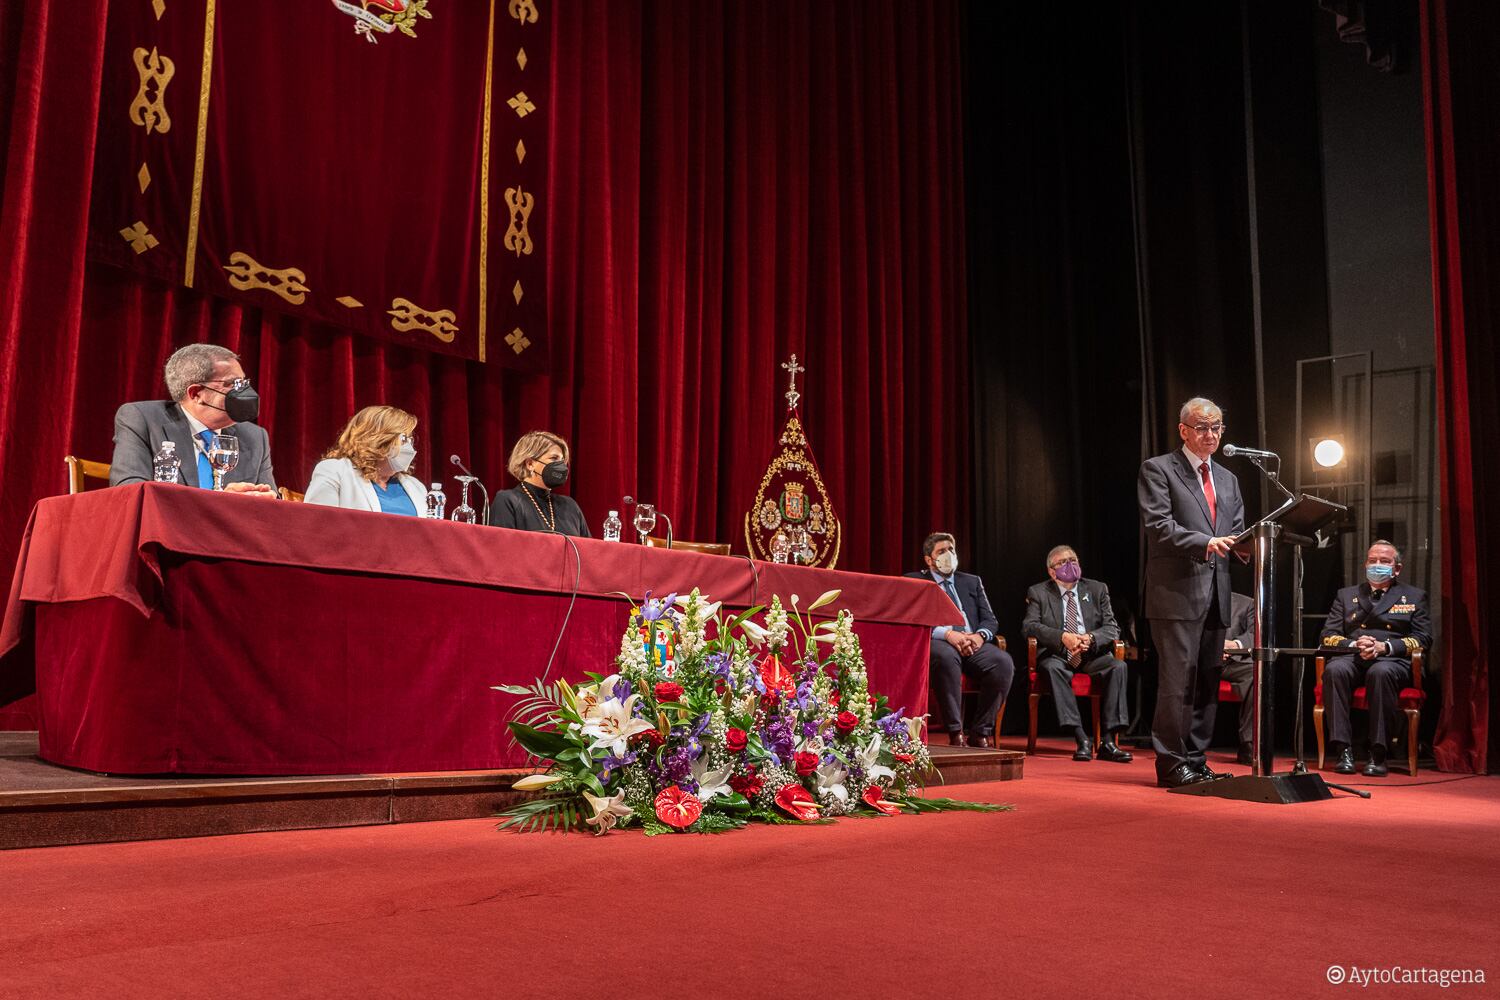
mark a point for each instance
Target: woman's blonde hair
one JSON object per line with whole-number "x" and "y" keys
{"x": 369, "y": 436}
{"x": 532, "y": 446}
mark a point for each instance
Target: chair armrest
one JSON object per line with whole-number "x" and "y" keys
{"x": 1031, "y": 654}
{"x": 1000, "y": 641}
{"x": 1417, "y": 656}
{"x": 1317, "y": 670}
{"x": 1120, "y": 650}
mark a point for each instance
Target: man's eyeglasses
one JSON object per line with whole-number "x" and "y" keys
{"x": 1217, "y": 429}
{"x": 234, "y": 384}
{"x": 1063, "y": 562}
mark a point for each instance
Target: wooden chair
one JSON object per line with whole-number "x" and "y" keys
{"x": 1083, "y": 684}
{"x": 289, "y": 494}
{"x": 1410, "y": 699}
{"x": 81, "y": 471}
{"x": 967, "y": 688}
{"x": 709, "y": 548}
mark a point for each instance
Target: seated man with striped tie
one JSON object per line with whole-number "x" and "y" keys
{"x": 969, "y": 649}
{"x": 210, "y": 395}
{"x": 1075, "y": 631}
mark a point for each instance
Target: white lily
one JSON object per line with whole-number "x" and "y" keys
{"x": 914, "y": 728}
{"x": 831, "y": 779}
{"x": 828, "y": 597}
{"x": 532, "y": 782}
{"x": 867, "y": 759}
{"x": 753, "y": 632}
{"x": 710, "y": 608}
{"x": 607, "y": 811}
{"x": 711, "y": 783}
{"x": 612, "y": 726}
{"x": 589, "y": 697}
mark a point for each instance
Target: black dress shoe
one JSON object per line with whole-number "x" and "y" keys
{"x": 1246, "y": 755}
{"x": 1109, "y": 751}
{"x": 1345, "y": 763}
{"x": 1375, "y": 769}
{"x": 987, "y": 742}
{"x": 1182, "y": 774}
{"x": 957, "y": 740}
{"x": 1085, "y": 750}
{"x": 1209, "y": 774}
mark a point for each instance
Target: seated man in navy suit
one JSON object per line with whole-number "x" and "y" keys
{"x": 1074, "y": 627}
{"x": 1376, "y": 625}
{"x": 967, "y": 649}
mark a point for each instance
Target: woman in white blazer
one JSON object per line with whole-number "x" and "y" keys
{"x": 367, "y": 468}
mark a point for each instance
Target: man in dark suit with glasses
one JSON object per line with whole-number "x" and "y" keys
{"x": 1191, "y": 509}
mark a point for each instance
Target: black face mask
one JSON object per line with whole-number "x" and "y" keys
{"x": 242, "y": 405}
{"x": 554, "y": 474}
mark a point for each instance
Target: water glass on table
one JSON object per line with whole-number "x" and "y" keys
{"x": 223, "y": 455}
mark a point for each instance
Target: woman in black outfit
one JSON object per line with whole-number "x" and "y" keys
{"x": 540, "y": 462}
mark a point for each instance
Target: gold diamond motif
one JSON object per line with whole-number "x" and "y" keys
{"x": 139, "y": 237}
{"x": 520, "y": 151}
{"x": 517, "y": 340}
{"x": 349, "y": 302}
{"x": 521, "y": 58}
{"x": 160, "y": 6}
{"x": 517, "y": 292}
{"x": 143, "y": 178}
{"x": 521, "y": 104}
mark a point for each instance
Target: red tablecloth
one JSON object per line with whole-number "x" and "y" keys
{"x": 167, "y": 629}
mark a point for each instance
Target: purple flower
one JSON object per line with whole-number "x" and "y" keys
{"x": 891, "y": 725}
{"x": 653, "y": 610}
{"x": 719, "y": 665}
{"x": 809, "y": 730}
{"x": 612, "y": 763}
{"x": 623, "y": 690}
{"x": 678, "y": 764}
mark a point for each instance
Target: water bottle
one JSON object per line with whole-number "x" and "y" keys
{"x": 167, "y": 463}
{"x": 436, "y": 501}
{"x": 612, "y": 527}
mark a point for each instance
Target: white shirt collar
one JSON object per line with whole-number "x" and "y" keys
{"x": 1195, "y": 461}
{"x": 1063, "y": 591}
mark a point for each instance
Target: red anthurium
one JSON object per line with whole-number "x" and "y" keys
{"x": 903, "y": 758}
{"x": 795, "y": 801}
{"x": 875, "y": 798}
{"x": 677, "y": 808}
{"x": 776, "y": 677}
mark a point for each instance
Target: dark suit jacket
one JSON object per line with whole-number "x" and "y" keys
{"x": 1399, "y": 617}
{"x": 1174, "y": 515}
{"x": 972, "y": 597}
{"x": 1044, "y": 617}
{"x": 140, "y": 428}
{"x": 1241, "y": 626}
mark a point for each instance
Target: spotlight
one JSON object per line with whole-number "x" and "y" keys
{"x": 1328, "y": 452}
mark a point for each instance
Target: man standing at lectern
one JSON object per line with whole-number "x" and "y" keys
{"x": 1191, "y": 509}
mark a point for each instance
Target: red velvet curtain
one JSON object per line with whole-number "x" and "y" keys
{"x": 1462, "y": 96}
{"x": 729, "y": 183}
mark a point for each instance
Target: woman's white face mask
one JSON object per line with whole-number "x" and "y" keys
{"x": 405, "y": 454}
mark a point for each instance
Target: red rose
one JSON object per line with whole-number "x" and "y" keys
{"x": 794, "y": 800}
{"x": 846, "y": 722}
{"x": 668, "y": 691}
{"x": 806, "y": 762}
{"x": 735, "y": 740}
{"x": 677, "y": 808}
{"x": 748, "y": 785}
{"x": 875, "y": 798}
{"x": 903, "y": 758}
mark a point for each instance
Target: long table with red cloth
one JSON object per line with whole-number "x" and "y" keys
{"x": 173, "y": 630}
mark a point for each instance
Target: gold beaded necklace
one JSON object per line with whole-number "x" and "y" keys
{"x": 549, "y": 518}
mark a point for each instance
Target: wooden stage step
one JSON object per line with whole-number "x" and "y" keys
{"x": 44, "y": 805}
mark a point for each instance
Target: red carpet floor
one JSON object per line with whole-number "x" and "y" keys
{"x": 1097, "y": 885}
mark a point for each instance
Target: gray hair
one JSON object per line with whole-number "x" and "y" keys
{"x": 1382, "y": 541}
{"x": 1197, "y": 403}
{"x": 1058, "y": 550}
{"x": 192, "y": 365}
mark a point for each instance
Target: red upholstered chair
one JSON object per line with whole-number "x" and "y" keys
{"x": 968, "y": 688}
{"x": 1083, "y": 685}
{"x": 1410, "y": 699}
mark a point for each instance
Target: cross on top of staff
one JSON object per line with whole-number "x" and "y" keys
{"x": 792, "y": 395}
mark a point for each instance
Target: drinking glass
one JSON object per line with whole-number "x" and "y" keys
{"x": 223, "y": 455}
{"x": 463, "y": 512}
{"x": 645, "y": 520}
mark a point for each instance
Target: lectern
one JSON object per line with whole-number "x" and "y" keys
{"x": 1295, "y": 522}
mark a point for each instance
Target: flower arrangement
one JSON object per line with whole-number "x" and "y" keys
{"x": 707, "y": 724}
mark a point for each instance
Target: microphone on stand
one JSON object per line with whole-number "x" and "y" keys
{"x": 631, "y": 501}
{"x": 1231, "y": 450}
{"x": 459, "y": 462}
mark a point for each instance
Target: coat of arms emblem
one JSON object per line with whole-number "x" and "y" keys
{"x": 383, "y": 17}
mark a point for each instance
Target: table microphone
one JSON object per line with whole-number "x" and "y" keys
{"x": 458, "y": 462}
